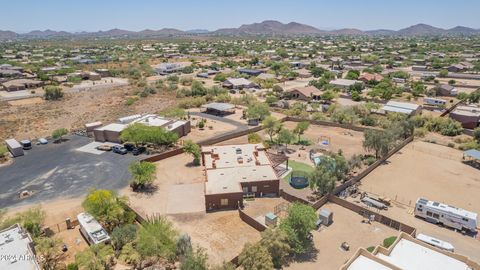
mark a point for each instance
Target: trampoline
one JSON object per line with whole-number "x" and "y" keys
{"x": 299, "y": 179}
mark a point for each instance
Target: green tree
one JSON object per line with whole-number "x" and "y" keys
{"x": 255, "y": 257}
{"x": 96, "y": 257}
{"x": 272, "y": 126}
{"x": 352, "y": 75}
{"x": 109, "y": 209}
{"x": 123, "y": 235}
{"x": 443, "y": 73}
{"x": 379, "y": 141}
{"x": 285, "y": 136}
{"x": 193, "y": 149}
{"x": 157, "y": 239}
{"x": 30, "y": 220}
{"x": 298, "y": 224}
{"x": 254, "y": 138}
{"x": 258, "y": 111}
{"x": 301, "y": 128}
{"x": 220, "y": 77}
{"x": 141, "y": 134}
{"x": 143, "y": 174}
{"x": 195, "y": 260}
{"x": 53, "y": 92}
{"x": 49, "y": 250}
{"x": 476, "y": 134}
{"x": 276, "y": 242}
{"x": 322, "y": 179}
{"x": 59, "y": 133}
{"x": 174, "y": 112}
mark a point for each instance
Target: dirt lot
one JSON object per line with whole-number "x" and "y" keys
{"x": 346, "y": 227}
{"x": 427, "y": 170}
{"x": 223, "y": 234}
{"x": 431, "y": 171}
{"x": 177, "y": 180}
{"x": 22, "y": 119}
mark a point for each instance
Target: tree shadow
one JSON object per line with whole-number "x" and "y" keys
{"x": 309, "y": 256}
{"x": 146, "y": 190}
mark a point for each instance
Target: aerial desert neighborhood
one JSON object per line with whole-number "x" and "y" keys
{"x": 249, "y": 135}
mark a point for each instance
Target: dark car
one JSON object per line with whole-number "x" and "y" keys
{"x": 138, "y": 150}
{"x": 119, "y": 149}
{"x": 129, "y": 146}
{"x": 26, "y": 144}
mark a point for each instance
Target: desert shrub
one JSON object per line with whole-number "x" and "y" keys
{"x": 254, "y": 138}
{"x": 387, "y": 242}
{"x": 192, "y": 102}
{"x": 370, "y": 249}
{"x": 53, "y": 93}
{"x": 420, "y": 132}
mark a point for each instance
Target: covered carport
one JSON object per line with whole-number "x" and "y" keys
{"x": 219, "y": 109}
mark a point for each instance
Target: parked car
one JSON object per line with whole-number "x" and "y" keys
{"x": 42, "y": 141}
{"x": 119, "y": 149}
{"x": 138, "y": 150}
{"x": 104, "y": 147}
{"x": 26, "y": 144}
{"x": 129, "y": 146}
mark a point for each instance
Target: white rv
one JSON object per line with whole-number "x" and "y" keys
{"x": 434, "y": 101}
{"x": 91, "y": 229}
{"x": 447, "y": 215}
{"x": 435, "y": 242}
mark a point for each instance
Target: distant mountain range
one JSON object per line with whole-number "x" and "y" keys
{"x": 265, "y": 28}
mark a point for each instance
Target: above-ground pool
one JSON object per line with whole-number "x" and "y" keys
{"x": 299, "y": 180}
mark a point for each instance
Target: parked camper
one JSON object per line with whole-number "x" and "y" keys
{"x": 434, "y": 101}
{"x": 447, "y": 215}
{"x": 14, "y": 147}
{"x": 435, "y": 242}
{"x": 373, "y": 203}
{"x": 91, "y": 229}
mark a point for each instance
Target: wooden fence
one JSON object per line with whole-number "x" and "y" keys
{"x": 164, "y": 155}
{"x": 330, "y": 124}
{"x": 251, "y": 221}
{"x": 397, "y": 225}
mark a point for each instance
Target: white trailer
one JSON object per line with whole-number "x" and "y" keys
{"x": 92, "y": 230}
{"x": 14, "y": 147}
{"x": 435, "y": 242}
{"x": 434, "y": 101}
{"x": 447, "y": 215}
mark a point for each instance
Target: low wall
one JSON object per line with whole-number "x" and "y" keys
{"x": 328, "y": 124}
{"x": 229, "y": 136}
{"x": 291, "y": 198}
{"x": 397, "y": 225}
{"x": 251, "y": 221}
{"x": 164, "y": 155}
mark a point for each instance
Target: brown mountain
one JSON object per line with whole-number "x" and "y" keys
{"x": 270, "y": 28}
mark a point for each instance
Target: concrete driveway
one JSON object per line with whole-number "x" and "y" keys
{"x": 60, "y": 170}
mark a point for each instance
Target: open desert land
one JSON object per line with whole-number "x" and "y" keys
{"x": 25, "y": 120}
{"x": 347, "y": 227}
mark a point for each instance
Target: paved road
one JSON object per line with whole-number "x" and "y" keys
{"x": 58, "y": 170}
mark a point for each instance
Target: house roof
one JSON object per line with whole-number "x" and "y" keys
{"x": 344, "y": 82}
{"x": 370, "y": 77}
{"x": 238, "y": 81}
{"x": 218, "y": 106}
{"x": 307, "y": 91}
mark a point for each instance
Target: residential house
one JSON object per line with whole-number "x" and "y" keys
{"x": 445, "y": 90}
{"x": 305, "y": 93}
{"x": 468, "y": 115}
{"x": 238, "y": 83}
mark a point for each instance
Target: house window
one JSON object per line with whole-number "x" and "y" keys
{"x": 223, "y": 202}
{"x": 254, "y": 188}
{"x": 419, "y": 209}
{"x": 429, "y": 213}
{"x": 437, "y": 216}
{"x": 245, "y": 189}
{"x": 266, "y": 186}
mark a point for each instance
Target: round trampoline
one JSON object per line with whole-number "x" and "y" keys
{"x": 299, "y": 179}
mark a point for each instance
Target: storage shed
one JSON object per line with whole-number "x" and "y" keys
{"x": 14, "y": 147}
{"x": 271, "y": 220}
{"x": 325, "y": 217}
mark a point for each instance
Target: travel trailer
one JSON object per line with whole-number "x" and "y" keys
{"x": 447, "y": 215}
{"x": 92, "y": 230}
{"x": 435, "y": 242}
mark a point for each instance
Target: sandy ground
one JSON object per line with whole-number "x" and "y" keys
{"x": 73, "y": 111}
{"x": 223, "y": 234}
{"x": 176, "y": 180}
{"x": 261, "y": 206}
{"x": 27, "y": 101}
{"x": 431, "y": 171}
{"x": 427, "y": 170}
{"x": 212, "y": 128}
{"x": 346, "y": 227}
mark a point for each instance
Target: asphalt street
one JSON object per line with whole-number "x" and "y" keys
{"x": 60, "y": 171}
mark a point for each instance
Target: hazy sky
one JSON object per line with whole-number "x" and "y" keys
{"x": 94, "y": 15}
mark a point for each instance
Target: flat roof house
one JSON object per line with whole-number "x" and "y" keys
{"x": 21, "y": 84}
{"x": 402, "y": 107}
{"x": 168, "y": 68}
{"x": 305, "y": 93}
{"x": 17, "y": 250}
{"x": 250, "y": 72}
{"x": 238, "y": 83}
{"x": 344, "y": 83}
{"x": 468, "y": 115}
{"x": 446, "y": 90}
{"x": 408, "y": 253}
{"x": 220, "y": 109}
{"x": 111, "y": 132}
{"x": 235, "y": 171}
